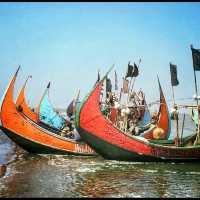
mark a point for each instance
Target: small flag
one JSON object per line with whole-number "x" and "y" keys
{"x": 108, "y": 85}
{"x": 70, "y": 109}
{"x": 98, "y": 77}
{"x": 173, "y": 71}
{"x": 125, "y": 85}
{"x": 116, "y": 82}
{"x": 48, "y": 86}
{"x": 196, "y": 58}
{"x": 132, "y": 70}
{"x": 135, "y": 71}
{"x": 129, "y": 71}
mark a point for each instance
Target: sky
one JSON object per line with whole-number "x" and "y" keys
{"x": 67, "y": 43}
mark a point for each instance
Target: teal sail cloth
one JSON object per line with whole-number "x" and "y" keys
{"x": 49, "y": 116}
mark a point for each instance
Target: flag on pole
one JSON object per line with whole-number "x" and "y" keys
{"x": 125, "y": 85}
{"x": 196, "y": 58}
{"x": 135, "y": 71}
{"x": 48, "y": 86}
{"x": 132, "y": 71}
{"x": 129, "y": 71}
{"x": 116, "y": 82}
{"x": 173, "y": 71}
{"x": 108, "y": 85}
{"x": 98, "y": 77}
{"x": 70, "y": 109}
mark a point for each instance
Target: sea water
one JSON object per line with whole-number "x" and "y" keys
{"x": 71, "y": 176}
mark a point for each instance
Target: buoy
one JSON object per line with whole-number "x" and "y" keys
{"x": 158, "y": 133}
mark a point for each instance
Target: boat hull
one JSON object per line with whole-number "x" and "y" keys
{"x": 114, "y": 152}
{"x": 32, "y": 137}
{"x": 34, "y": 147}
{"x": 112, "y": 143}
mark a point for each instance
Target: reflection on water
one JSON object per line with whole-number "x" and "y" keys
{"x": 70, "y": 176}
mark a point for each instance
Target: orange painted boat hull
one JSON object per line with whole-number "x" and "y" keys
{"x": 31, "y": 136}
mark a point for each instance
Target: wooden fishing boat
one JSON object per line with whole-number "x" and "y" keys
{"x": 112, "y": 143}
{"x": 32, "y": 137}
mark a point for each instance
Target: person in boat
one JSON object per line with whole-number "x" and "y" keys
{"x": 133, "y": 130}
{"x": 152, "y": 124}
{"x": 174, "y": 113}
{"x": 109, "y": 102}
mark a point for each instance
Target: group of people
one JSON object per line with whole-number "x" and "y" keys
{"x": 127, "y": 117}
{"x": 69, "y": 129}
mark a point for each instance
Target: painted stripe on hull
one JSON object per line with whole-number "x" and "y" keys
{"x": 113, "y": 152}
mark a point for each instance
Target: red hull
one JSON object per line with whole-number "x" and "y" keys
{"x": 100, "y": 134}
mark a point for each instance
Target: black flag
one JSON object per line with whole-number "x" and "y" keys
{"x": 132, "y": 71}
{"x": 70, "y": 109}
{"x": 48, "y": 86}
{"x": 135, "y": 71}
{"x": 129, "y": 71}
{"x": 173, "y": 71}
{"x": 196, "y": 58}
{"x": 98, "y": 78}
{"x": 108, "y": 85}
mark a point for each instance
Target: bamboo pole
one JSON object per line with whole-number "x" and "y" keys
{"x": 196, "y": 90}
{"x": 176, "y": 118}
{"x": 181, "y": 136}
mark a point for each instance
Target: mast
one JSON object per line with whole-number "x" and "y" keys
{"x": 196, "y": 91}
{"x": 38, "y": 107}
{"x": 174, "y": 82}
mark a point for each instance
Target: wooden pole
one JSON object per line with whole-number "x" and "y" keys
{"x": 176, "y": 119}
{"x": 196, "y": 90}
{"x": 181, "y": 136}
{"x": 128, "y": 95}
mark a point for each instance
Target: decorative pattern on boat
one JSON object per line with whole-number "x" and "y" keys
{"x": 83, "y": 149}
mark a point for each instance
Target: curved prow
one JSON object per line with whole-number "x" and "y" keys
{"x": 21, "y": 101}
{"x": 163, "y": 117}
{"x": 7, "y": 98}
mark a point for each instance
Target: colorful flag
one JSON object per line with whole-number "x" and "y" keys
{"x": 173, "y": 71}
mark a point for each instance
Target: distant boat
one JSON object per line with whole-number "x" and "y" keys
{"x": 32, "y": 137}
